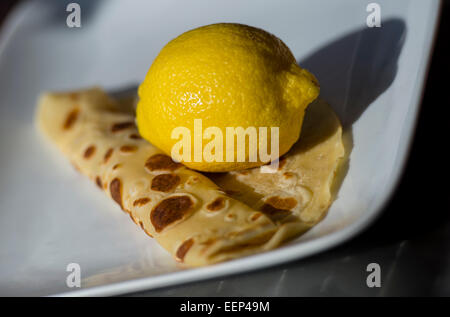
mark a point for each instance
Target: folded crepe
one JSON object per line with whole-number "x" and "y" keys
{"x": 199, "y": 219}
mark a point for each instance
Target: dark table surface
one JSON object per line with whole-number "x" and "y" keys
{"x": 410, "y": 241}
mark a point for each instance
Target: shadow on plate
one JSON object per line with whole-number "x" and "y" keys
{"x": 355, "y": 69}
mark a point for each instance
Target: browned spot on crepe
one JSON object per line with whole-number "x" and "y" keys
{"x": 282, "y": 203}
{"x": 89, "y": 151}
{"x": 141, "y": 201}
{"x": 128, "y": 148}
{"x": 115, "y": 188}
{"x": 122, "y": 126}
{"x": 281, "y": 162}
{"x": 288, "y": 175}
{"x": 132, "y": 218}
{"x": 232, "y": 192}
{"x": 169, "y": 211}
{"x": 183, "y": 249}
{"x": 165, "y": 182}
{"x": 145, "y": 230}
{"x": 74, "y": 96}
{"x": 192, "y": 180}
{"x": 230, "y": 216}
{"x": 76, "y": 167}
{"x": 116, "y": 166}
{"x": 161, "y": 162}
{"x": 278, "y": 208}
{"x": 108, "y": 155}
{"x": 71, "y": 118}
{"x": 255, "y": 216}
{"x": 135, "y": 136}
{"x": 209, "y": 242}
{"x": 216, "y": 204}
{"x": 98, "y": 181}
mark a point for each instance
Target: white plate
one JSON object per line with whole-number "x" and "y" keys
{"x": 50, "y": 216}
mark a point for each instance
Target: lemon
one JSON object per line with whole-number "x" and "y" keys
{"x": 227, "y": 75}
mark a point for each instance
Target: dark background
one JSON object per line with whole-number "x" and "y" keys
{"x": 410, "y": 241}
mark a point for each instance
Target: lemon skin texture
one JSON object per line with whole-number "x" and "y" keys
{"x": 227, "y": 75}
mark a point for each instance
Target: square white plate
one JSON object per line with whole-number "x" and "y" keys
{"x": 51, "y": 216}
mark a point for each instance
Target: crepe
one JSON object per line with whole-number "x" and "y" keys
{"x": 191, "y": 216}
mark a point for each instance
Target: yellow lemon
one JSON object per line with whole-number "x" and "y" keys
{"x": 218, "y": 77}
